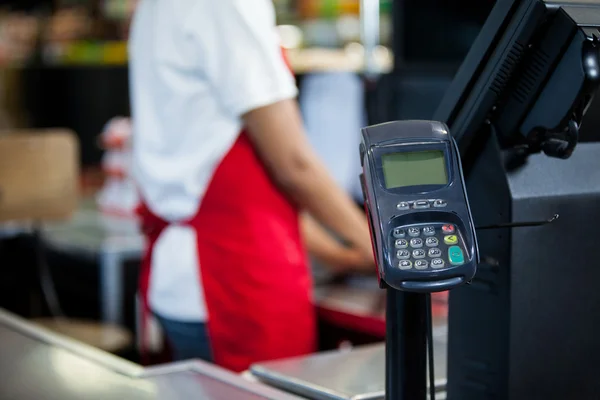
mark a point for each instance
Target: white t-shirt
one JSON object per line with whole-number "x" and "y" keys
{"x": 196, "y": 66}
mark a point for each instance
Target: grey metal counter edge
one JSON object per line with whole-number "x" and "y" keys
{"x": 314, "y": 391}
{"x": 131, "y": 370}
{"x": 351, "y": 374}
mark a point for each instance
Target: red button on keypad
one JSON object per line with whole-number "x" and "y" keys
{"x": 448, "y": 229}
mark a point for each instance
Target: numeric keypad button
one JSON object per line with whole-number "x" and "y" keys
{"x": 433, "y": 253}
{"x": 421, "y": 264}
{"x": 403, "y": 254}
{"x": 405, "y": 264}
{"x": 401, "y": 243}
{"x": 399, "y": 233}
{"x": 429, "y": 231}
{"x": 437, "y": 263}
{"x": 432, "y": 242}
{"x": 419, "y": 253}
{"x": 416, "y": 243}
{"x": 414, "y": 232}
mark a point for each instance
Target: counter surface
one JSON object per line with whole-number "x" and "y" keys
{"x": 342, "y": 375}
{"x": 36, "y": 363}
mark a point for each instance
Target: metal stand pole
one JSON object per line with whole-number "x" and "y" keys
{"x": 406, "y": 346}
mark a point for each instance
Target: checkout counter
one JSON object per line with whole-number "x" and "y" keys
{"x": 40, "y": 364}
{"x": 63, "y": 368}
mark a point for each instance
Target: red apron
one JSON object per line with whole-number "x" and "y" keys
{"x": 253, "y": 266}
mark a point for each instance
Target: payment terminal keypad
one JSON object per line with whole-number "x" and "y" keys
{"x": 428, "y": 247}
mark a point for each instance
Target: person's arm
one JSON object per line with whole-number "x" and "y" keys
{"x": 277, "y": 133}
{"x": 328, "y": 250}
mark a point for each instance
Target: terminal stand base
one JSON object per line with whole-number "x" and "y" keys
{"x": 406, "y": 346}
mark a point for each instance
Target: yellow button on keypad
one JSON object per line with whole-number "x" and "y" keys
{"x": 451, "y": 239}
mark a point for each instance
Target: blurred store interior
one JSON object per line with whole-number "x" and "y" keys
{"x": 64, "y": 64}
{"x": 63, "y": 71}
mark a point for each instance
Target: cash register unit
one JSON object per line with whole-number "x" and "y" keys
{"x": 522, "y": 90}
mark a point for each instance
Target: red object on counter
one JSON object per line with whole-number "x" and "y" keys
{"x": 371, "y": 325}
{"x": 374, "y": 324}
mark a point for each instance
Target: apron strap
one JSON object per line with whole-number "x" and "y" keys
{"x": 152, "y": 226}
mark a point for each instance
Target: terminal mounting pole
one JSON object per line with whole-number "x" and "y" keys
{"x": 406, "y": 346}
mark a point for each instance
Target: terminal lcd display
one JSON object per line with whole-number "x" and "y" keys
{"x": 414, "y": 169}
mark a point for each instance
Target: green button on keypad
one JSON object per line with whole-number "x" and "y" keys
{"x": 455, "y": 255}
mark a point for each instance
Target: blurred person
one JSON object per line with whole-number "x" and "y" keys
{"x": 230, "y": 184}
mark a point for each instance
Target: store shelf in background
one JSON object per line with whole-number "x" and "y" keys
{"x": 329, "y": 8}
{"x": 302, "y": 60}
{"x": 331, "y": 60}
{"x": 87, "y": 53}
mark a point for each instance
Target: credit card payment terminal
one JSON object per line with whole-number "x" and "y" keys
{"x": 421, "y": 225}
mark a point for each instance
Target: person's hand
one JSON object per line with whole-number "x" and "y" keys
{"x": 339, "y": 259}
{"x": 359, "y": 262}
{"x": 332, "y": 253}
{"x": 364, "y": 247}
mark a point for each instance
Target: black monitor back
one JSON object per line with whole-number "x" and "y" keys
{"x": 527, "y": 327}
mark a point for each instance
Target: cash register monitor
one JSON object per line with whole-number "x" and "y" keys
{"x": 530, "y": 75}
{"x": 523, "y": 88}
